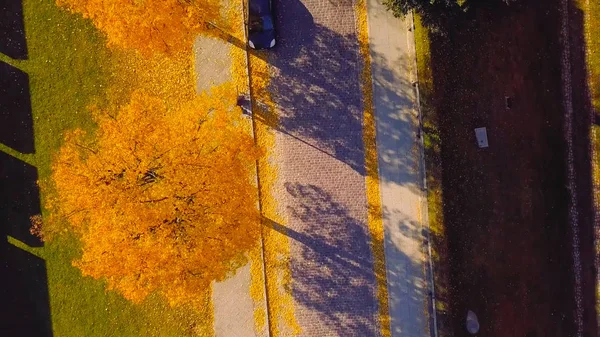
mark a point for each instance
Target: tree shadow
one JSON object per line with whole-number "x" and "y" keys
{"x": 24, "y": 299}
{"x": 12, "y": 29}
{"x": 405, "y": 242}
{"x": 583, "y": 119}
{"x": 333, "y": 271}
{"x": 16, "y": 121}
{"x": 316, "y": 81}
{"x": 397, "y": 122}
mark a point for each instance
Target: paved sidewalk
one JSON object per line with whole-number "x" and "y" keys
{"x": 400, "y": 170}
{"x": 321, "y": 184}
{"x": 320, "y": 154}
{"x": 232, "y": 303}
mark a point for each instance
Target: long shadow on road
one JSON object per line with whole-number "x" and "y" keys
{"x": 332, "y": 274}
{"x": 316, "y": 87}
{"x": 316, "y": 81}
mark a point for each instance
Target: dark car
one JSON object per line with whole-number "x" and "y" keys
{"x": 261, "y": 31}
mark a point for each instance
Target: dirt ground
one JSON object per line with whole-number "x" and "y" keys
{"x": 583, "y": 118}
{"x": 505, "y": 207}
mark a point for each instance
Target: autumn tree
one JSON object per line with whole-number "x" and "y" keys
{"x": 162, "y": 201}
{"x": 148, "y": 25}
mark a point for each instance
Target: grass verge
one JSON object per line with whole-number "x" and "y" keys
{"x": 374, "y": 217}
{"x": 432, "y": 144}
{"x": 280, "y": 303}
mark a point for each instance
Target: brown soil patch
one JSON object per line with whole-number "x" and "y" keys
{"x": 505, "y": 207}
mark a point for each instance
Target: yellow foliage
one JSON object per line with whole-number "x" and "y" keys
{"x": 162, "y": 201}
{"x": 375, "y": 219}
{"x": 148, "y": 26}
{"x": 281, "y": 310}
{"x": 168, "y": 77}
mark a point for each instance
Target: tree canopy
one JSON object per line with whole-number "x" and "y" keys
{"x": 148, "y": 26}
{"x": 162, "y": 200}
{"x": 436, "y": 13}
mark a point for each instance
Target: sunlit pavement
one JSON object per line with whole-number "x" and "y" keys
{"x": 320, "y": 153}
{"x": 320, "y": 156}
{"x": 232, "y": 304}
{"x": 321, "y": 189}
{"x": 400, "y": 171}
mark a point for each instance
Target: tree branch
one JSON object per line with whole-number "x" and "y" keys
{"x": 85, "y": 148}
{"x": 154, "y": 200}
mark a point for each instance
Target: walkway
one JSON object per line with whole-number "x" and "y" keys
{"x": 400, "y": 170}
{"x": 320, "y": 190}
{"x": 232, "y": 304}
{"x": 320, "y": 156}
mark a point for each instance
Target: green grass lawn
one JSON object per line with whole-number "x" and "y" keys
{"x": 70, "y": 68}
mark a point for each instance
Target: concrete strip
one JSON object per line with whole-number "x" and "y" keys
{"x": 212, "y": 62}
{"x": 392, "y": 53}
{"x": 233, "y": 307}
{"x": 232, "y": 303}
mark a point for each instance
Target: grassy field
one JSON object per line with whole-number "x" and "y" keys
{"x": 69, "y": 68}
{"x": 505, "y": 207}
